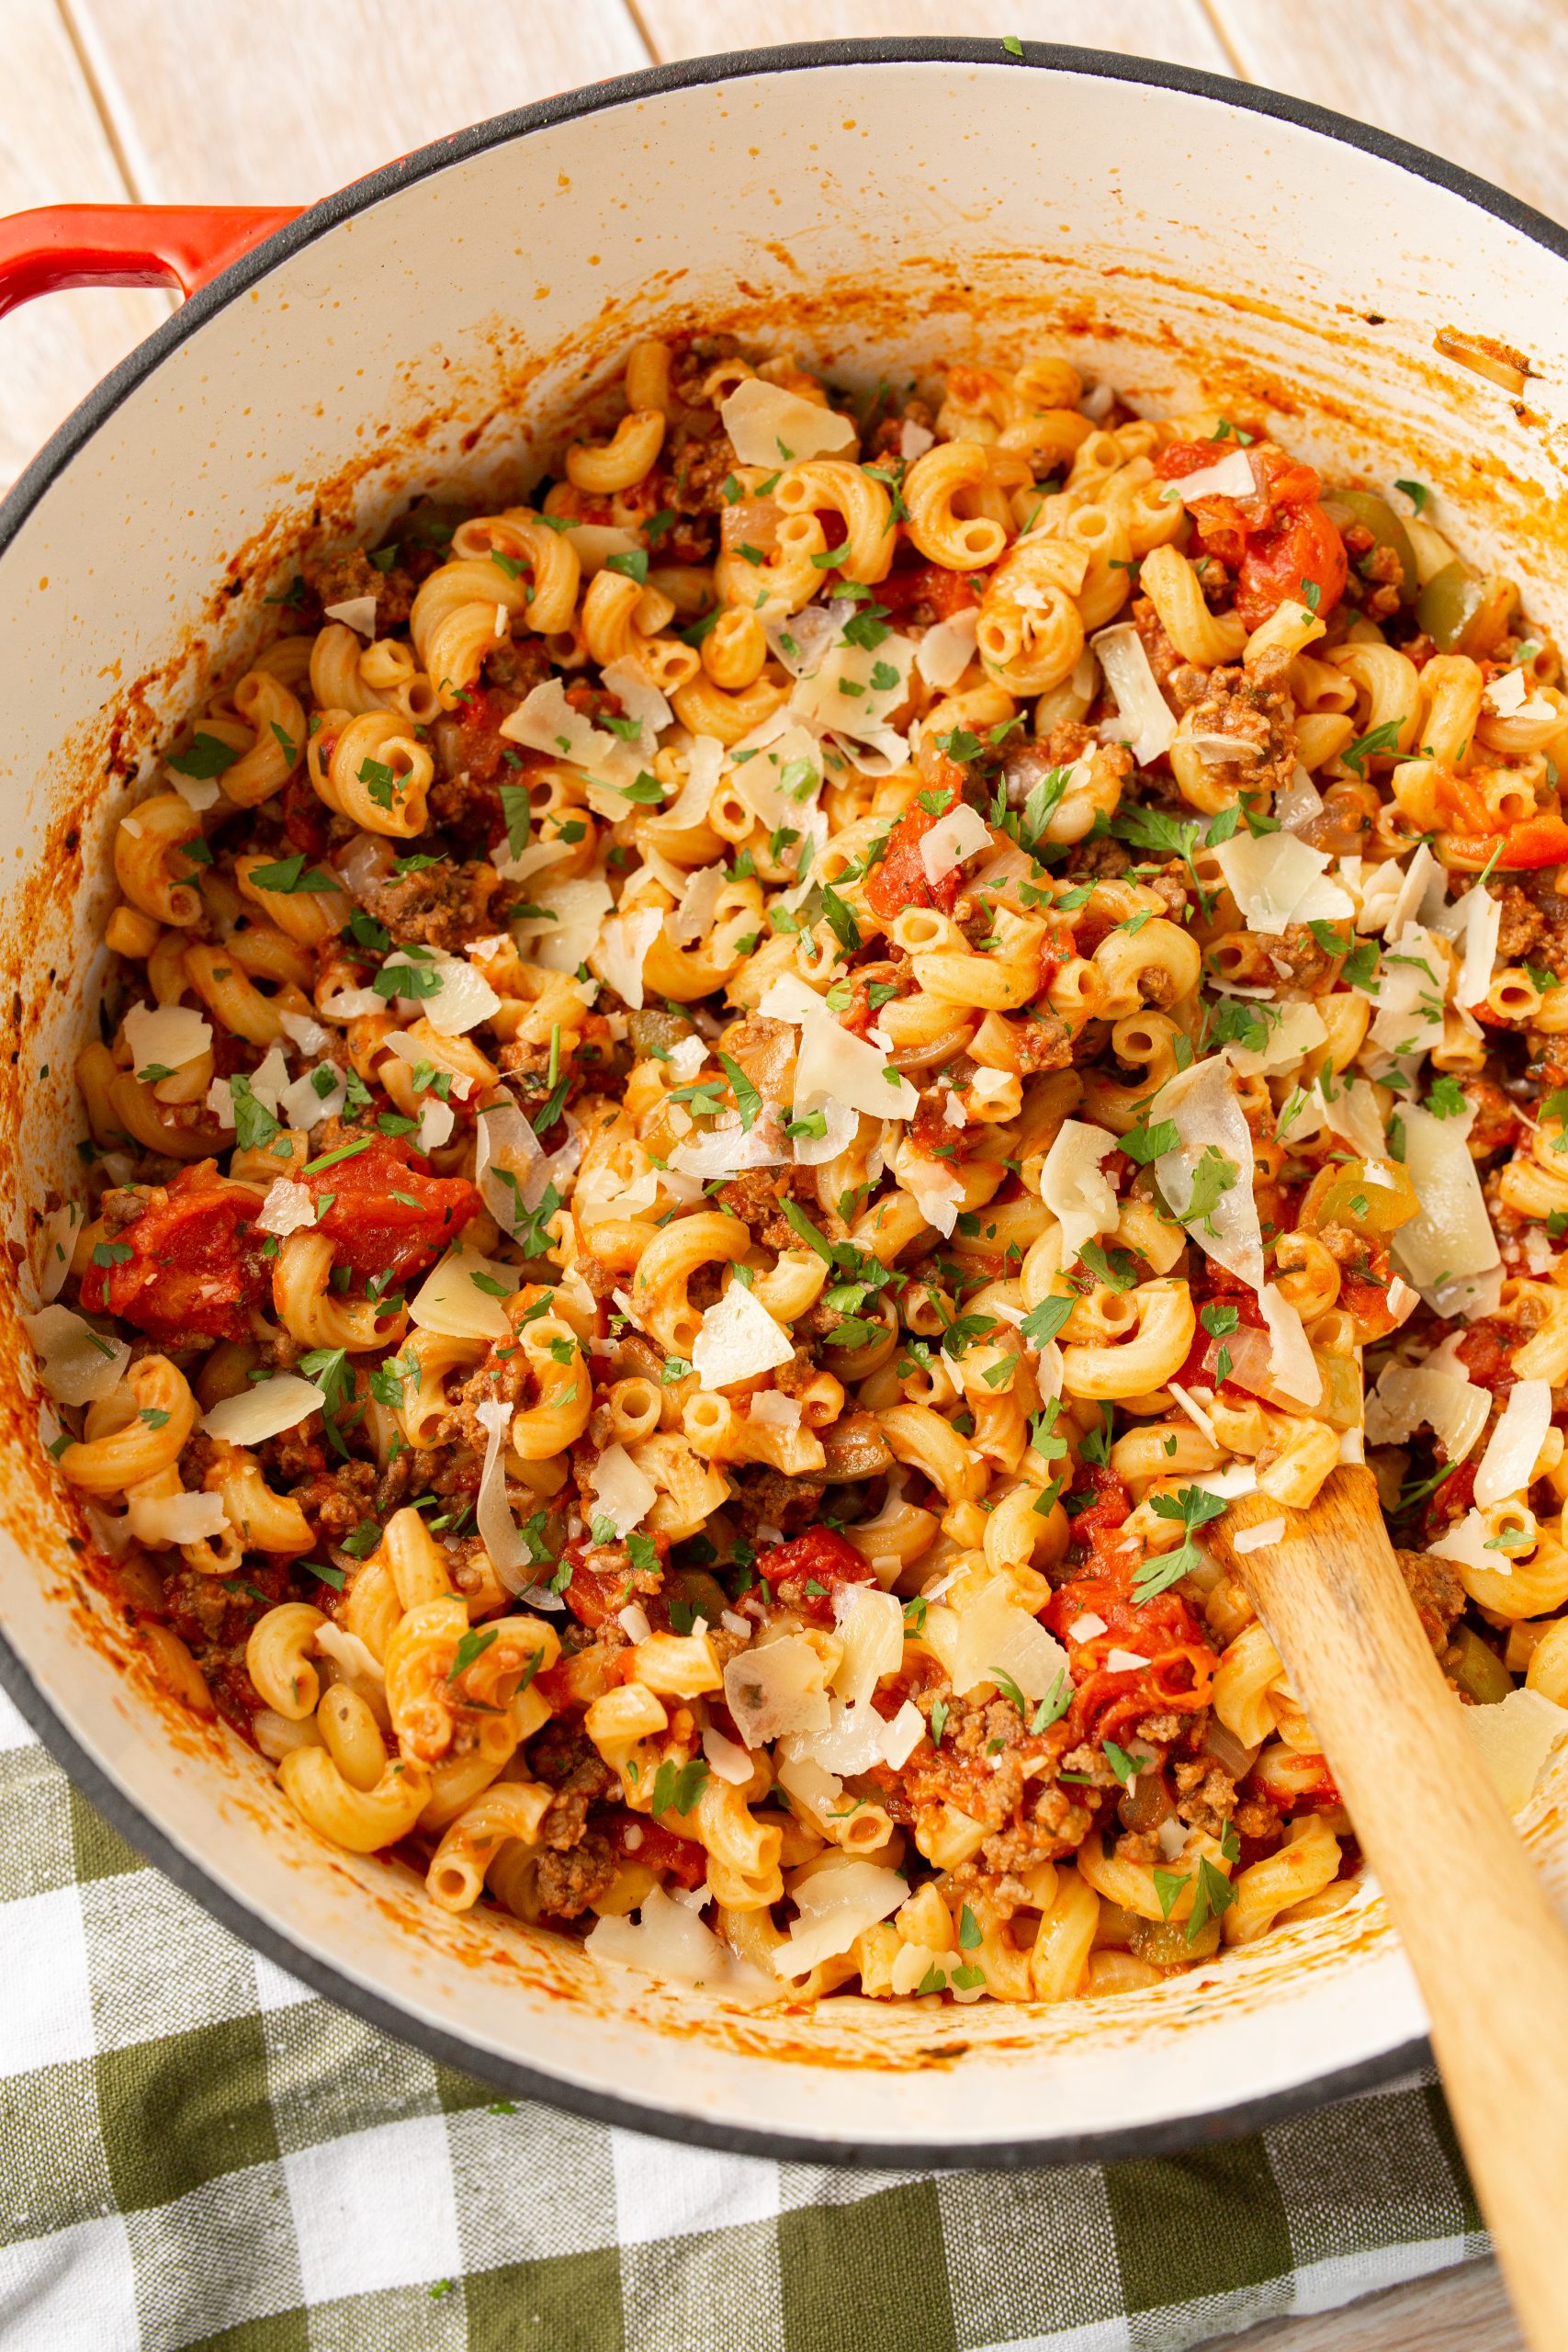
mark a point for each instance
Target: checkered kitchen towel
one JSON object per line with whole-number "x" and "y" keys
{"x": 196, "y": 2151}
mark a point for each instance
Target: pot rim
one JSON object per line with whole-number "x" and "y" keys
{"x": 1178, "y": 2133}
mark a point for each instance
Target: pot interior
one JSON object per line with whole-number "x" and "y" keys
{"x": 435, "y": 328}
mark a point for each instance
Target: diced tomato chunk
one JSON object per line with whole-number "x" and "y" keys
{"x": 1279, "y": 542}
{"x": 1536, "y": 842}
{"x": 648, "y": 1842}
{"x": 385, "y": 1214}
{"x": 899, "y": 879}
{"x": 192, "y": 1267}
{"x": 946, "y": 593}
{"x": 806, "y": 1573}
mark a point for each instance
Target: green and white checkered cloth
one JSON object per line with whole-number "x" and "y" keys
{"x": 195, "y": 2150}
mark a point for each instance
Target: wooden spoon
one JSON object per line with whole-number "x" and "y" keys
{"x": 1487, "y": 1950}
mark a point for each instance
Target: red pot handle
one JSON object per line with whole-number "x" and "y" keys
{"x": 127, "y": 245}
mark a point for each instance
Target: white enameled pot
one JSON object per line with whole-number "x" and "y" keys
{"x": 866, "y": 204}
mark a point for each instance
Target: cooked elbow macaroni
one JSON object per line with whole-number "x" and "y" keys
{"x": 799, "y": 1072}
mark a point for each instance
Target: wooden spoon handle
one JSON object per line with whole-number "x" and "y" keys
{"x": 1486, "y": 1948}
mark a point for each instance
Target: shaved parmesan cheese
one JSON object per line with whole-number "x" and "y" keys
{"x": 357, "y": 613}
{"x": 169, "y": 1035}
{"x": 1144, "y": 717}
{"x": 856, "y": 688}
{"x": 902, "y": 1735}
{"x": 838, "y": 1901}
{"x": 351, "y": 1656}
{"x": 789, "y": 999}
{"x": 1298, "y": 1030}
{"x": 774, "y": 1690}
{"x": 1300, "y": 802}
{"x": 350, "y": 1004}
{"x": 914, "y": 440}
{"x": 870, "y": 1627}
{"x": 1408, "y": 993}
{"x": 463, "y": 998}
{"x": 1505, "y": 697}
{"x": 768, "y": 425}
{"x": 508, "y": 1164}
{"x": 801, "y": 639}
{"x": 835, "y": 1066}
{"x": 1514, "y": 1446}
{"x": 265, "y": 1409}
{"x": 774, "y": 1410}
{"x": 269, "y": 1081}
{"x": 638, "y": 696}
{"x": 1125, "y": 1661}
{"x": 436, "y": 1121}
{"x": 622, "y": 1493}
{"x": 1086, "y": 1628}
{"x": 1438, "y": 1395}
{"x": 699, "y": 904}
{"x": 962, "y": 833}
{"x": 567, "y": 929}
{"x": 725, "y": 1759}
{"x": 622, "y": 951}
{"x": 1401, "y": 1300}
{"x": 936, "y": 1189}
{"x": 1452, "y": 1233}
{"x": 945, "y": 651}
{"x": 546, "y": 722}
{"x": 725, "y": 1150}
{"x": 1514, "y": 1738}
{"x": 1352, "y": 1113}
{"x": 509, "y": 1555}
{"x": 287, "y": 1208}
{"x": 633, "y": 1621}
{"x": 1254, "y": 1539}
{"x": 1277, "y": 880}
{"x": 687, "y": 1057}
{"x": 1291, "y": 1359}
{"x": 451, "y": 1301}
{"x": 995, "y": 1631}
{"x": 1235, "y": 1478}
{"x": 1074, "y": 1187}
{"x": 739, "y": 1341}
{"x": 840, "y": 1125}
{"x": 199, "y": 793}
{"x": 1201, "y": 1102}
{"x": 1476, "y": 920}
{"x": 669, "y": 1942}
{"x": 1472, "y": 1541}
{"x": 163, "y": 1520}
{"x": 1392, "y": 896}
{"x": 303, "y": 1105}
{"x": 1469, "y": 1296}
{"x": 76, "y": 1365}
{"x": 57, "y": 1237}
{"x": 705, "y": 759}
{"x": 1230, "y": 477}
{"x": 1194, "y": 1411}
{"x": 301, "y": 1031}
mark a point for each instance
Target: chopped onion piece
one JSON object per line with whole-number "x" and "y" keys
{"x": 509, "y": 1555}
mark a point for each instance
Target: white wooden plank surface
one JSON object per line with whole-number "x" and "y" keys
{"x": 213, "y": 100}
{"x": 1482, "y": 87}
{"x": 1179, "y": 29}
{"x": 219, "y": 101}
{"x": 53, "y": 147}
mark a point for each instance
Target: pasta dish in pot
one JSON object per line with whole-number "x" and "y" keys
{"x": 736, "y": 1099}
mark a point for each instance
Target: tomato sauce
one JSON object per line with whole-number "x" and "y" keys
{"x": 385, "y": 1214}
{"x": 1280, "y": 543}
{"x": 804, "y": 1575}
